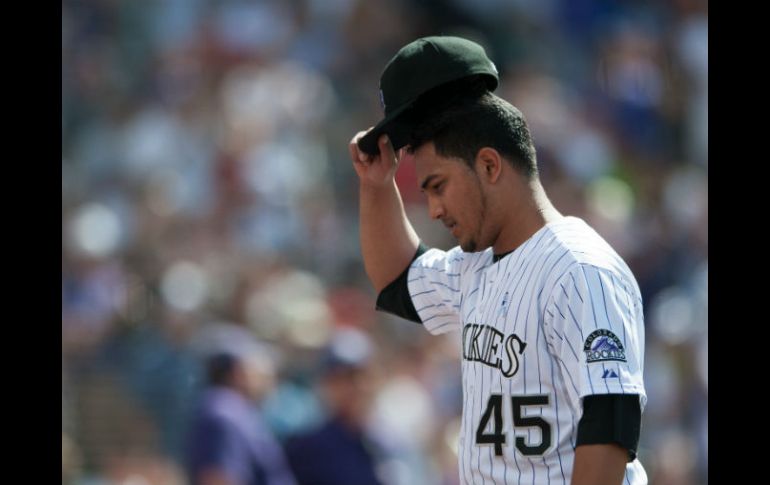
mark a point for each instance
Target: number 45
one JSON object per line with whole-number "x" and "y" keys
{"x": 497, "y": 437}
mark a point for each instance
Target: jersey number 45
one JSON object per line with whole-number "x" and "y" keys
{"x": 497, "y": 436}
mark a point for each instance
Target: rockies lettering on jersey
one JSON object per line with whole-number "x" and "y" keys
{"x": 558, "y": 319}
{"x": 476, "y": 337}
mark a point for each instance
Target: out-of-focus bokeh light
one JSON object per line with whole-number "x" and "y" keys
{"x": 612, "y": 198}
{"x": 209, "y": 204}
{"x": 402, "y": 413}
{"x": 135, "y": 480}
{"x": 672, "y": 313}
{"x": 96, "y": 230}
{"x": 185, "y": 285}
{"x": 451, "y": 435}
{"x": 291, "y": 305}
{"x": 686, "y": 196}
{"x": 351, "y": 345}
{"x": 586, "y": 154}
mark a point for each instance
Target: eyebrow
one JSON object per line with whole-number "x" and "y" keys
{"x": 428, "y": 180}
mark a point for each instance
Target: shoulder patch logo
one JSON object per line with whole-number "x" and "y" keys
{"x": 603, "y": 345}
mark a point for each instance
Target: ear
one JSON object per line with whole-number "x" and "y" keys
{"x": 489, "y": 164}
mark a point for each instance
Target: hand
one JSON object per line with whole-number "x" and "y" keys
{"x": 374, "y": 170}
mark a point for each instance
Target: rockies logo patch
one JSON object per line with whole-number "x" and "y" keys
{"x": 603, "y": 345}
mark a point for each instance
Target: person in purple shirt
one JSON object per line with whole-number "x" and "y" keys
{"x": 338, "y": 451}
{"x": 229, "y": 443}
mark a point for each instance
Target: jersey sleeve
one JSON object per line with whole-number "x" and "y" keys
{"x": 611, "y": 418}
{"x": 434, "y": 287}
{"x": 395, "y": 298}
{"x": 595, "y": 327}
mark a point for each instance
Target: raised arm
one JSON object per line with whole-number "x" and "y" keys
{"x": 388, "y": 240}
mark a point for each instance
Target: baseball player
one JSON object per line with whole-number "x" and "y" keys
{"x": 550, "y": 316}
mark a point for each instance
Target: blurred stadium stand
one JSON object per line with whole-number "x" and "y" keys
{"x": 207, "y": 194}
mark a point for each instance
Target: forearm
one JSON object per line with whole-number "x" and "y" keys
{"x": 388, "y": 240}
{"x": 603, "y": 464}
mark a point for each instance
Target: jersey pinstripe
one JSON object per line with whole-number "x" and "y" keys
{"x": 556, "y": 320}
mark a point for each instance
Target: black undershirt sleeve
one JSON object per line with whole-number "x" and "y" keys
{"x": 395, "y": 297}
{"x": 611, "y": 418}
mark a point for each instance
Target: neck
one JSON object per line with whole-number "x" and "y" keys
{"x": 531, "y": 211}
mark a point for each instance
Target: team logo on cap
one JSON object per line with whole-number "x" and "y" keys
{"x": 603, "y": 345}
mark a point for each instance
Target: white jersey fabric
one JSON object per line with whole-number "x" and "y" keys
{"x": 558, "y": 319}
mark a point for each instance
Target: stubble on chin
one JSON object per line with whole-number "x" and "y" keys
{"x": 469, "y": 247}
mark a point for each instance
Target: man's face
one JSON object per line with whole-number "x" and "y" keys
{"x": 348, "y": 392}
{"x": 255, "y": 376}
{"x": 455, "y": 196}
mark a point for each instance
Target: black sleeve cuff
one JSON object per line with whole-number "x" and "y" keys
{"x": 395, "y": 298}
{"x": 611, "y": 418}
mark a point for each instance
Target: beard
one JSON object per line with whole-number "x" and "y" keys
{"x": 472, "y": 245}
{"x": 469, "y": 246}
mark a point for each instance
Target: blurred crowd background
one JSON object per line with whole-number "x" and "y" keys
{"x": 208, "y": 202}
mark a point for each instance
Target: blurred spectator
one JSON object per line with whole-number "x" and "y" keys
{"x": 339, "y": 451}
{"x": 205, "y": 179}
{"x": 229, "y": 443}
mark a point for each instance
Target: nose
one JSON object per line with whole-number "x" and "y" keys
{"x": 435, "y": 208}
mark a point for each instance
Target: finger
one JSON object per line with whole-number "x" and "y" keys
{"x": 386, "y": 149}
{"x": 356, "y": 154}
{"x": 405, "y": 156}
{"x": 359, "y": 135}
{"x": 353, "y": 149}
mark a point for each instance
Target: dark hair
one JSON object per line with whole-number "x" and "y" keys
{"x": 219, "y": 369}
{"x": 469, "y": 123}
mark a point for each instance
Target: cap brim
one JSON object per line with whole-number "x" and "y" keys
{"x": 400, "y": 124}
{"x": 392, "y": 125}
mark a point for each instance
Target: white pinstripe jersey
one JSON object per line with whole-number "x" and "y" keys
{"x": 556, "y": 320}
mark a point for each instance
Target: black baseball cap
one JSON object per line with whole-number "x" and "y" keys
{"x": 419, "y": 68}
